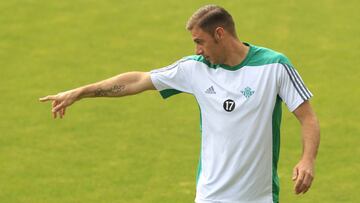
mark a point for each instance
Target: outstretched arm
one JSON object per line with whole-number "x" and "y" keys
{"x": 121, "y": 85}
{"x": 303, "y": 173}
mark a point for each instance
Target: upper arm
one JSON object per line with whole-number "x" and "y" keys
{"x": 304, "y": 112}
{"x": 142, "y": 83}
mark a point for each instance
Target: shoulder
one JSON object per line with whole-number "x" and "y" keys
{"x": 197, "y": 59}
{"x": 264, "y": 56}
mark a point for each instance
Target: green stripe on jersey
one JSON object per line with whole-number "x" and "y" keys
{"x": 276, "y": 122}
{"x": 169, "y": 92}
{"x": 264, "y": 56}
{"x": 199, "y": 169}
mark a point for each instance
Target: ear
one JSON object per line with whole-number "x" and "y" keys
{"x": 219, "y": 33}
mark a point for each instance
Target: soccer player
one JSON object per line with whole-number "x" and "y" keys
{"x": 239, "y": 88}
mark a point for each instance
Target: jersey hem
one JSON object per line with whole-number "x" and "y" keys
{"x": 165, "y": 93}
{"x": 297, "y": 104}
{"x": 261, "y": 200}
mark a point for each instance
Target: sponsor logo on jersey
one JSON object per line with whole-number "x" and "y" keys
{"x": 247, "y": 92}
{"x": 210, "y": 90}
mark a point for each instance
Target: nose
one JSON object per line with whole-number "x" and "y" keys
{"x": 199, "y": 50}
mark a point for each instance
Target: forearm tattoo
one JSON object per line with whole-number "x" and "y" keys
{"x": 116, "y": 90}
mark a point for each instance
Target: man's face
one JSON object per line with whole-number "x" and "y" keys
{"x": 207, "y": 46}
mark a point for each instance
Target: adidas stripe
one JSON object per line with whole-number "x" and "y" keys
{"x": 297, "y": 82}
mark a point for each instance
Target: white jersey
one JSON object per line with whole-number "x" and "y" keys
{"x": 240, "y": 121}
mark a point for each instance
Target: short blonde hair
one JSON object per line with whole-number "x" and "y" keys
{"x": 209, "y": 17}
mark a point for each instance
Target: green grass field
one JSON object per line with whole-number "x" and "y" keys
{"x": 144, "y": 149}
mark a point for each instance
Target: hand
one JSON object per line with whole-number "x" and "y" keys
{"x": 303, "y": 175}
{"x": 61, "y": 101}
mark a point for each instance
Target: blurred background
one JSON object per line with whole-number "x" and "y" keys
{"x": 144, "y": 149}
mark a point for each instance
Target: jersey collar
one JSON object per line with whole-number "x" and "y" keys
{"x": 242, "y": 64}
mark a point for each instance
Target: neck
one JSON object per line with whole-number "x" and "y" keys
{"x": 235, "y": 52}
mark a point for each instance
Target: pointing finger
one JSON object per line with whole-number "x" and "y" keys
{"x": 47, "y": 98}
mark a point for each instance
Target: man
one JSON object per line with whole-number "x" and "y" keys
{"x": 239, "y": 88}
